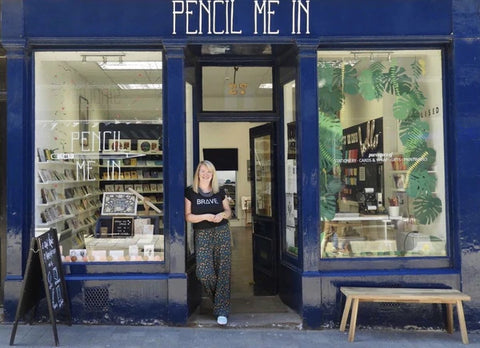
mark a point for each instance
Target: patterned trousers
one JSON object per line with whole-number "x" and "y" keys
{"x": 214, "y": 263}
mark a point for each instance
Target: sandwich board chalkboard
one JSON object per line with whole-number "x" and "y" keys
{"x": 43, "y": 265}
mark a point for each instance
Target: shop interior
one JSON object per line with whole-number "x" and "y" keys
{"x": 376, "y": 210}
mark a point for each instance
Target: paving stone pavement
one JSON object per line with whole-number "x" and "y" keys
{"x": 41, "y": 335}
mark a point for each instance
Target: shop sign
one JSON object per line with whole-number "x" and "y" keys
{"x": 227, "y": 17}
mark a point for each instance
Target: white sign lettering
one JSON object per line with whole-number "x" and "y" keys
{"x": 216, "y": 17}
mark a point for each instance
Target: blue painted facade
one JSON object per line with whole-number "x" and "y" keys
{"x": 153, "y": 293}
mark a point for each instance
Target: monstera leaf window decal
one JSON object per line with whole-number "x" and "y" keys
{"x": 338, "y": 78}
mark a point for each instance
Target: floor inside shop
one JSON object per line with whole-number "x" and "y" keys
{"x": 247, "y": 310}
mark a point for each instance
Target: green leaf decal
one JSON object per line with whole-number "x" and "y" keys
{"x": 413, "y": 133}
{"x": 421, "y": 182}
{"x": 330, "y": 141}
{"x": 427, "y": 208}
{"x": 328, "y": 206}
{"x": 366, "y": 86}
{"x": 350, "y": 81}
{"x": 396, "y": 81}
{"x": 405, "y": 105}
{"x": 330, "y": 100}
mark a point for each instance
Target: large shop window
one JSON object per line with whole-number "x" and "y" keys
{"x": 99, "y": 165}
{"x": 290, "y": 151}
{"x": 382, "y": 187}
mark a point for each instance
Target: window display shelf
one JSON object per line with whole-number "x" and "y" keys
{"x": 89, "y": 195}
{"x": 134, "y": 166}
{"x": 139, "y": 179}
{"x": 61, "y": 163}
{"x": 54, "y": 222}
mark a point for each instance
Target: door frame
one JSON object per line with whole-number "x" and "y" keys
{"x": 286, "y": 58}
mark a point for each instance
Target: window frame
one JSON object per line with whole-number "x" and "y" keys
{"x": 399, "y": 263}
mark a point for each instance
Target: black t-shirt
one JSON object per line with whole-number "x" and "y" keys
{"x": 206, "y": 204}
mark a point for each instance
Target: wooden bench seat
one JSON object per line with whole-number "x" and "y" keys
{"x": 449, "y": 297}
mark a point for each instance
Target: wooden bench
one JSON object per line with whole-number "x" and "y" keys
{"x": 449, "y": 297}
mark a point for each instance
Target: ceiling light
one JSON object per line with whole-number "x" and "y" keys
{"x": 128, "y": 86}
{"x": 130, "y": 65}
{"x": 266, "y": 86}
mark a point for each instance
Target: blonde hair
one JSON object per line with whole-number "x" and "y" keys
{"x": 213, "y": 182}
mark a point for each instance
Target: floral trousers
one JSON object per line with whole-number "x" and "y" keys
{"x": 214, "y": 263}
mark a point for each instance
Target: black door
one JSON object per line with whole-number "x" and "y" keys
{"x": 265, "y": 227}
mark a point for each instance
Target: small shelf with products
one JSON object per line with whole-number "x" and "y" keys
{"x": 143, "y": 173}
{"x": 66, "y": 196}
{"x": 362, "y": 167}
{"x": 131, "y": 157}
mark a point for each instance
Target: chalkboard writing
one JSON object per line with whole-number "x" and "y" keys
{"x": 43, "y": 265}
{"x": 122, "y": 227}
{"x": 52, "y": 265}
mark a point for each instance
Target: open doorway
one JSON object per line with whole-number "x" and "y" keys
{"x": 236, "y": 181}
{"x": 238, "y": 94}
{"x": 247, "y": 309}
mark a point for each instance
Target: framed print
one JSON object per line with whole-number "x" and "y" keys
{"x": 119, "y": 203}
{"x": 83, "y": 120}
{"x": 123, "y": 145}
{"x": 147, "y": 146}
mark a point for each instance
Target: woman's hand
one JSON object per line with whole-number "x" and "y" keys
{"x": 219, "y": 217}
{"x": 210, "y": 217}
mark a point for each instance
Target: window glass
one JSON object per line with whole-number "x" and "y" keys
{"x": 237, "y": 88}
{"x": 290, "y": 136}
{"x": 227, "y": 180}
{"x": 99, "y": 164}
{"x": 263, "y": 175}
{"x": 382, "y": 184}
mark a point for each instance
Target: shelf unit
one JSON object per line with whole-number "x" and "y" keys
{"x": 142, "y": 172}
{"x": 69, "y": 205}
{"x": 136, "y": 152}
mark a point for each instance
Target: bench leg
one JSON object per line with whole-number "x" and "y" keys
{"x": 346, "y": 310}
{"x": 461, "y": 322}
{"x": 353, "y": 321}
{"x": 449, "y": 318}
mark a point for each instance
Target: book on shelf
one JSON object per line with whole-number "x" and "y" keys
{"x": 41, "y": 155}
{"x": 109, "y": 188}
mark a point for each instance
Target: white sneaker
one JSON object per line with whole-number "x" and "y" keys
{"x": 222, "y": 320}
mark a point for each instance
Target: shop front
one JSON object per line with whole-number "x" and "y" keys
{"x": 330, "y": 124}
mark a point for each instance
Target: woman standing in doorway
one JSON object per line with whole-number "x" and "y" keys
{"x": 208, "y": 210}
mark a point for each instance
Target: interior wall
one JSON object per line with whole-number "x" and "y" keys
{"x": 57, "y": 99}
{"x": 231, "y": 135}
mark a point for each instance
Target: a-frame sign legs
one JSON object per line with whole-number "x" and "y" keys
{"x": 43, "y": 264}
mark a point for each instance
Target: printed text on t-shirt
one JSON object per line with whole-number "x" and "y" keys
{"x": 201, "y": 201}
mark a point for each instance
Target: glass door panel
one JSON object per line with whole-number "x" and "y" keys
{"x": 263, "y": 175}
